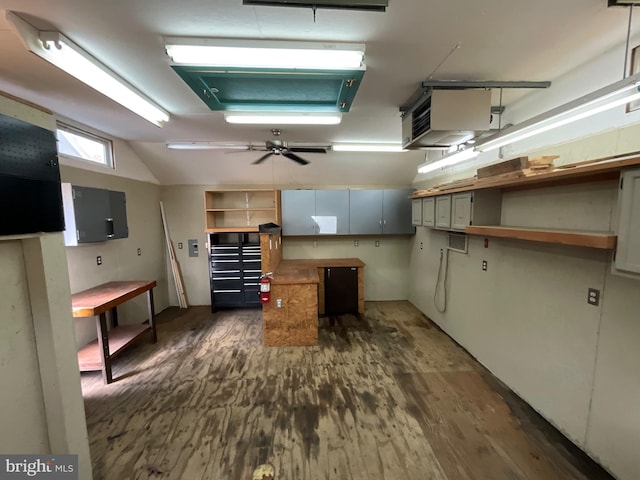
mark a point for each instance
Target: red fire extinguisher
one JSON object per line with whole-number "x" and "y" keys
{"x": 265, "y": 288}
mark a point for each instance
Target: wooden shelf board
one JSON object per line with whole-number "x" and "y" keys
{"x": 601, "y": 240}
{"x": 232, "y": 229}
{"x": 558, "y": 176}
{"x": 251, "y": 209}
{"x": 119, "y": 338}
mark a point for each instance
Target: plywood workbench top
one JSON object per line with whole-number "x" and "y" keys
{"x": 306, "y": 270}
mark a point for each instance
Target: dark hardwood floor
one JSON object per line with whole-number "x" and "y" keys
{"x": 388, "y": 396}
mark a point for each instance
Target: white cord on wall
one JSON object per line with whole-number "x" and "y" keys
{"x": 444, "y": 282}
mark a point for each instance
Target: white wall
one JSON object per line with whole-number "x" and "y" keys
{"x": 43, "y": 410}
{"x": 526, "y": 317}
{"x": 22, "y": 401}
{"x": 120, "y": 260}
{"x": 385, "y": 272}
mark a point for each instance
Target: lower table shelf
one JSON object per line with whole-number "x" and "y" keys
{"x": 89, "y": 358}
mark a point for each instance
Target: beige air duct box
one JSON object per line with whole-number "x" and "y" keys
{"x": 446, "y": 117}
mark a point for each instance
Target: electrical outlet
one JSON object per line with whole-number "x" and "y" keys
{"x": 278, "y": 303}
{"x": 355, "y": 243}
{"x": 179, "y": 245}
{"x": 139, "y": 251}
{"x": 421, "y": 245}
{"x": 593, "y": 297}
{"x": 377, "y": 243}
{"x": 99, "y": 260}
{"x": 484, "y": 265}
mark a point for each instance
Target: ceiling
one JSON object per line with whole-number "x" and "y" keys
{"x": 501, "y": 40}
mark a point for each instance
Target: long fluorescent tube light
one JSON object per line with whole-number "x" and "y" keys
{"x": 205, "y": 146}
{"x": 57, "y": 49}
{"x": 265, "y": 54}
{"x": 283, "y": 118}
{"x": 449, "y": 160}
{"x": 367, "y": 147}
{"x": 614, "y": 95}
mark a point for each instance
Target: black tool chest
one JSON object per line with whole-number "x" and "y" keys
{"x": 234, "y": 269}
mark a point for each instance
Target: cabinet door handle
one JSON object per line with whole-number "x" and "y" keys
{"x": 110, "y": 228}
{"x": 329, "y": 272}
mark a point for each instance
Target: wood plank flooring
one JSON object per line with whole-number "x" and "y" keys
{"x": 387, "y": 396}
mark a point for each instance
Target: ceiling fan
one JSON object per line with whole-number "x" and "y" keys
{"x": 280, "y": 147}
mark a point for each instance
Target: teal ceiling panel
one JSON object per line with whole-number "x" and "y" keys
{"x": 272, "y": 90}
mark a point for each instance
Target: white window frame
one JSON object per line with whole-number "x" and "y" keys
{"x": 105, "y": 142}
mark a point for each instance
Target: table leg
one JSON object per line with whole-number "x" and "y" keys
{"x": 152, "y": 316}
{"x": 114, "y": 317}
{"x": 103, "y": 345}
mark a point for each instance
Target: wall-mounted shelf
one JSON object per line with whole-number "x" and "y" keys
{"x": 600, "y": 170}
{"x": 604, "y": 241}
{"x": 240, "y": 210}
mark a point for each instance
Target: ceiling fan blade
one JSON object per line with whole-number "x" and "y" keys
{"x": 263, "y": 158}
{"x": 307, "y": 150}
{"x": 295, "y": 158}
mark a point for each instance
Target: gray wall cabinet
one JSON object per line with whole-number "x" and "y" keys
{"x": 93, "y": 214}
{"x": 346, "y": 212}
{"x": 627, "y": 257}
{"x": 298, "y": 208}
{"x": 332, "y": 212}
{"x": 365, "y": 212}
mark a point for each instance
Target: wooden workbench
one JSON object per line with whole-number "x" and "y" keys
{"x": 97, "y": 302}
{"x": 319, "y": 264}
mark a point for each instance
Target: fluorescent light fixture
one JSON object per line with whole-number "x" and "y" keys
{"x": 265, "y": 54}
{"x": 614, "y": 95}
{"x": 57, "y": 49}
{"x": 206, "y": 146}
{"x": 367, "y": 147}
{"x": 449, "y": 160}
{"x": 275, "y": 118}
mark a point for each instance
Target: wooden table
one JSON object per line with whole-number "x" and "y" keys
{"x": 97, "y": 302}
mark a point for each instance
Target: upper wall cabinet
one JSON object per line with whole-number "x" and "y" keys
{"x": 346, "y": 212}
{"x": 374, "y": 212}
{"x": 298, "y": 210}
{"x": 93, "y": 214}
{"x": 627, "y": 257}
{"x": 332, "y": 212}
{"x": 315, "y": 212}
{"x": 459, "y": 210}
{"x": 416, "y": 212}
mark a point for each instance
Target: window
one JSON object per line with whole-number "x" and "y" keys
{"x": 75, "y": 143}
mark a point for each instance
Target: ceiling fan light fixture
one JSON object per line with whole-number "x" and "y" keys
{"x": 284, "y": 118}
{"x": 367, "y": 147}
{"x": 265, "y": 54}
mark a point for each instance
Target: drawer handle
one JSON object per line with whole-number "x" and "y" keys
{"x": 226, "y": 278}
{"x": 226, "y": 291}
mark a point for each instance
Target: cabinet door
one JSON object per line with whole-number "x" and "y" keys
{"x": 396, "y": 212}
{"x": 340, "y": 290}
{"x": 628, "y": 251}
{"x": 332, "y": 212}
{"x": 429, "y": 212}
{"x": 298, "y": 209}
{"x": 461, "y": 210}
{"x": 118, "y": 212}
{"x": 443, "y": 212}
{"x": 365, "y": 212}
{"x": 91, "y": 210}
{"x": 416, "y": 211}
